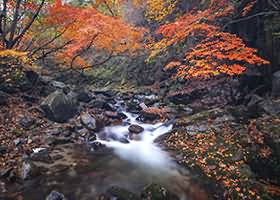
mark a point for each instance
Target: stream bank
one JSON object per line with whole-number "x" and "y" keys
{"x": 230, "y": 151}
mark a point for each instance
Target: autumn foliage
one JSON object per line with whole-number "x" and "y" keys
{"x": 214, "y": 52}
{"x": 87, "y": 28}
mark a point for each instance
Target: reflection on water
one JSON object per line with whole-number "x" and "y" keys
{"x": 131, "y": 166}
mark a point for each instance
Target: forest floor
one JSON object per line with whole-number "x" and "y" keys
{"x": 238, "y": 155}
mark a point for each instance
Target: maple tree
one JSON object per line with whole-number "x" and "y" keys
{"x": 89, "y": 29}
{"x": 16, "y": 18}
{"x": 214, "y": 52}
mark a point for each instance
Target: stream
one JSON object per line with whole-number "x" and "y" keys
{"x": 125, "y": 161}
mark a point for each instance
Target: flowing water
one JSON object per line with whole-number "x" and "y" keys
{"x": 132, "y": 165}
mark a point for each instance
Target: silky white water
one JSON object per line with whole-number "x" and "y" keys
{"x": 143, "y": 151}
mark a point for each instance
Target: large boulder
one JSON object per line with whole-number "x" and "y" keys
{"x": 276, "y": 84}
{"x": 60, "y": 107}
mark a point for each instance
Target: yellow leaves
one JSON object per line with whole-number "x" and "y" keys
{"x": 158, "y": 10}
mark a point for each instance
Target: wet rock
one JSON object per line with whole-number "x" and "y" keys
{"x": 151, "y": 99}
{"x": 133, "y": 107}
{"x": 135, "y": 129}
{"x": 158, "y": 192}
{"x": 97, "y": 145}
{"x": 88, "y": 121}
{"x": 122, "y": 194}
{"x": 122, "y": 115}
{"x": 3, "y": 98}
{"x": 276, "y": 84}
{"x": 60, "y": 107}
{"x": 29, "y": 170}
{"x": 143, "y": 106}
{"x": 111, "y": 114}
{"x": 54, "y": 195}
{"x": 148, "y": 116}
{"x": 26, "y": 122}
{"x": 41, "y": 156}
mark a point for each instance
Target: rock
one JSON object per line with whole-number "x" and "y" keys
{"x": 143, "y": 106}
{"x": 88, "y": 121}
{"x": 3, "y": 98}
{"x": 26, "y": 122}
{"x": 58, "y": 84}
{"x": 122, "y": 194}
{"x": 276, "y": 84}
{"x": 179, "y": 98}
{"x": 55, "y": 131}
{"x": 135, "y": 129}
{"x": 157, "y": 192}
{"x": 151, "y": 99}
{"x": 60, "y": 107}
{"x": 111, "y": 114}
{"x": 107, "y": 93}
{"x": 84, "y": 96}
{"x": 97, "y": 103}
{"x": 41, "y": 156}
{"x": 29, "y": 170}
{"x": 54, "y": 195}
{"x": 133, "y": 107}
{"x": 58, "y": 140}
{"x": 253, "y": 105}
{"x": 148, "y": 116}
{"x": 3, "y": 149}
{"x": 97, "y": 145}
{"x": 270, "y": 107}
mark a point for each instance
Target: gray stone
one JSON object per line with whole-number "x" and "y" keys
{"x": 88, "y": 121}
{"x": 60, "y": 107}
{"x": 54, "y": 195}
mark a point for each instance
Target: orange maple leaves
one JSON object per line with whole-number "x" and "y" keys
{"x": 214, "y": 52}
{"x": 88, "y": 28}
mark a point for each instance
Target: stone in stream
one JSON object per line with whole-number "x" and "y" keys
{"x": 60, "y": 107}
{"x": 54, "y": 195}
{"x": 88, "y": 121}
{"x": 135, "y": 129}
